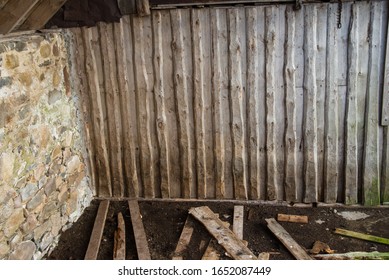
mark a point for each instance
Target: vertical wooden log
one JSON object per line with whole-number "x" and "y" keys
{"x": 371, "y": 172}
{"x": 237, "y": 93}
{"x": 272, "y": 171}
{"x": 143, "y": 7}
{"x": 129, "y": 118}
{"x": 290, "y": 92}
{"x": 351, "y": 166}
{"x": 332, "y": 129}
{"x": 321, "y": 75}
{"x": 159, "y": 93}
{"x": 113, "y": 102}
{"x": 310, "y": 93}
{"x": 385, "y": 95}
{"x": 144, "y": 107}
{"x": 221, "y": 120}
{"x": 253, "y": 102}
{"x": 79, "y": 61}
{"x": 199, "y": 102}
{"x": 94, "y": 73}
{"x": 181, "y": 88}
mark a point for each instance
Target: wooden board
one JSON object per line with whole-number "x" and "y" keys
{"x": 294, "y": 248}
{"x": 14, "y": 13}
{"x": 225, "y": 237}
{"x": 139, "y": 232}
{"x": 97, "y": 232}
{"x": 183, "y": 241}
{"x": 211, "y": 253}
{"x": 41, "y": 14}
{"x": 292, "y": 218}
{"x": 237, "y": 225}
{"x": 119, "y": 251}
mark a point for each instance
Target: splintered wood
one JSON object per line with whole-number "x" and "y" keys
{"x": 184, "y": 240}
{"x": 233, "y": 245}
{"x": 119, "y": 250}
{"x": 297, "y": 251}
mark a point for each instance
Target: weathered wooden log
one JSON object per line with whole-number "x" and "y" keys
{"x": 362, "y": 236}
{"x": 292, "y": 218}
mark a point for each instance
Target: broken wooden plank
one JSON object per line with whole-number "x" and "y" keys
{"x": 237, "y": 225}
{"x": 142, "y": 7}
{"x": 264, "y": 256}
{"x": 292, "y": 218}
{"x": 354, "y": 256}
{"x": 362, "y": 236}
{"x": 119, "y": 250}
{"x": 211, "y": 253}
{"x": 294, "y": 248}
{"x": 97, "y": 232}
{"x": 139, "y": 231}
{"x": 226, "y": 238}
{"x": 184, "y": 240}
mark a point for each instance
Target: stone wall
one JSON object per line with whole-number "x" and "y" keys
{"x": 44, "y": 182}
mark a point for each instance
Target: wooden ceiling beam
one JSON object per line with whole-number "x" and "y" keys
{"x": 13, "y": 13}
{"x": 41, "y": 14}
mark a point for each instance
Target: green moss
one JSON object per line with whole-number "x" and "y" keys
{"x": 372, "y": 194}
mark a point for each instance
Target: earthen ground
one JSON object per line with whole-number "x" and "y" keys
{"x": 163, "y": 222}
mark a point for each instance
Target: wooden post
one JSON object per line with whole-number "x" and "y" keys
{"x": 143, "y": 7}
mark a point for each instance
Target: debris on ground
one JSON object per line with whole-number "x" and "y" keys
{"x": 119, "y": 251}
{"x": 362, "y": 236}
{"x": 354, "y": 256}
{"x": 321, "y": 247}
{"x": 292, "y": 218}
{"x": 353, "y": 215}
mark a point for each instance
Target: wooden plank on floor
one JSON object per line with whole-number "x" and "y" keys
{"x": 237, "y": 225}
{"x": 119, "y": 251}
{"x": 294, "y": 248}
{"x": 211, "y": 253}
{"x": 139, "y": 231}
{"x": 97, "y": 232}
{"x": 184, "y": 239}
{"x": 225, "y": 237}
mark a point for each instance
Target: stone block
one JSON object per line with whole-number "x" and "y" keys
{"x": 46, "y": 241}
{"x": 14, "y": 222}
{"x": 24, "y": 251}
{"x": 48, "y": 210}
{"x": 7, "y": 161}
{"x": 11, "y": 61}
{"x": 28, "y": 191}
{"x": 4, "y": 250}
{"x": 72, "y": 203}
{"x": 37, "y": 200}
{"x": 56, "y": 223}
{"x": 6, "y": 210}
{"x": 30, "y": 224}
{"x": 73, "y": 164}
{"x": 50, "y": 186}
{"x": 42, "y": 229}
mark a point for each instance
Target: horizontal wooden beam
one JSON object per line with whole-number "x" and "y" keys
{"x": 41, "y": 14}
{"x": 14, "y": 13}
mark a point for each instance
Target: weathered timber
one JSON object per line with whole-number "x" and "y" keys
{"x": 183, "y": 241}
{"x": 292, "y": 218}
{"x": 362, "y": 236}
{"x": 119, "y": 251}
{"x": 211, "y": 253}
{"x": 226, "y": 238}
{"x": 237, "y": 225}
{"x": 127, "y": 7}
{"x": 385, "y": 97}
{"x": 14, "y": 13}
{"x": 294, "y": 248}
{"x": 97, "y": 232}
{"x": 264, "y": 256}
{"x": 139, "y": 232}
{"x": 142, "y": 7}
{"x": 354, "y": 256}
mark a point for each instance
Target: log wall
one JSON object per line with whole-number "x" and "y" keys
{"x": 258, "y": 103}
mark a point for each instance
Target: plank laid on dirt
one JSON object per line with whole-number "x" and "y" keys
{"x": 297, "y": 251}
{"x": 184, "y": 240}
{"x": 362, "y": 236}
{"x": 225, "y": 237}
{"x": 211, "y": 253}
{"x": 292, "y": 218}
{"x": 354, "y": 256}
{"x": 97, "y": 232}
{"x": 237, "y": 225}
{"x": 119, "y": 250}
{"x": 139, "y": 231}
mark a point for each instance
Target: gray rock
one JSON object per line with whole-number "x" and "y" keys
{"x": 28, "y": 191}
{"x": 24, "y": 251}
{"x": 37, "y": 200}
{"x": 13, "y": 222}
{"x": 47, "y": 239}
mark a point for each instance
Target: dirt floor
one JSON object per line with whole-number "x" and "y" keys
{"x": 163, "y": 222}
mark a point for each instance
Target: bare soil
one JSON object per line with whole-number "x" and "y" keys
{"x": 164, "y": 220}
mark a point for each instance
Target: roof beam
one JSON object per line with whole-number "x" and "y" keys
{"x": 13, "y": 14}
